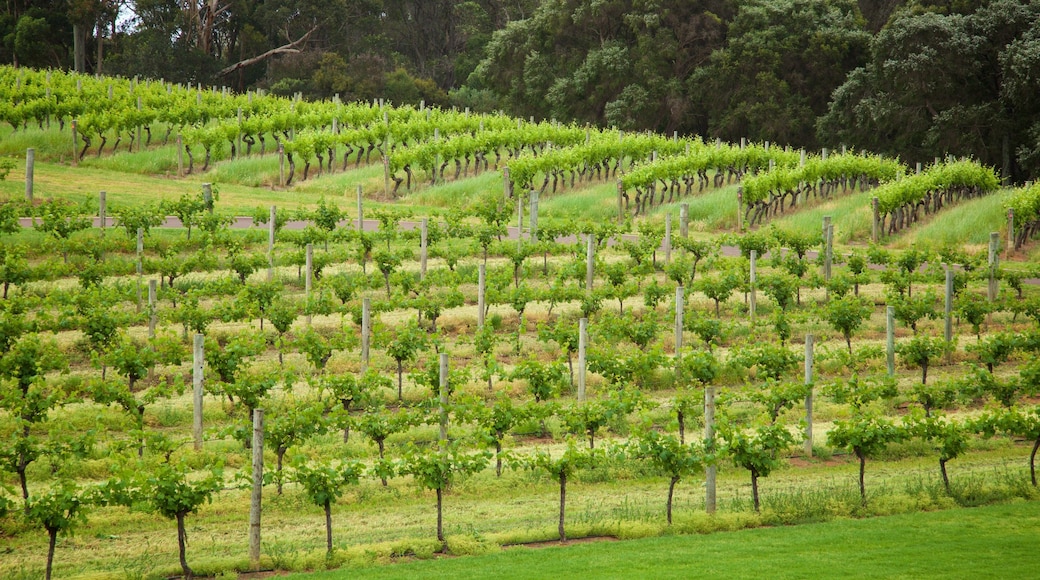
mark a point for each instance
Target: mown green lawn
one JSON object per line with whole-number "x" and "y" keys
{"x": 990, "y": 542}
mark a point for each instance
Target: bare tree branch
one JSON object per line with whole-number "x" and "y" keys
{"x": 287, "y": 48}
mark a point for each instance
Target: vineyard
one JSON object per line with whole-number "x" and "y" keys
{"x": 244, "y": 332}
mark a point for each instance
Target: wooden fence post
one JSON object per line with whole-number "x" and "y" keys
{"x": 809, "y": 395}
{"x": 443, "y": 399}
{"x": 308, "y": 279}
{"x": 140, "y": 264}
{"x": 102, "y": 209}
{"x": 271, "y": 226}
{"x": 740, "y": 209}
{"x": 583, "y": 341}
{"x": 423, "y": 247}
{"x": 709, "y": 438}
{"x": 752, "y": 293}
{"x": 75, "y": 144}
{"x": 1011, "y": 234}
{"x": 360, "y": 211}
{"x": 948, "y": 313}
{"x": 366, "y": 331}
{"x": 481, "y": 288}
{"x": 281, "y": 165}
{"x": 258, "y": 487}
{"x": 679, "y": 306}
{"x": 30, "y": 162}
{"x": 198, "y": 360}
{"x": 890, "y": 339}
{"x": 667, "y": 238}
{"x": 875, "y": 229}
{"x": 151, "y": 308}
{"x": 589, "y": 262}
{"x": 994, "y": 266}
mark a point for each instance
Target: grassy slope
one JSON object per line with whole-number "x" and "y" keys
{"x": 521, "y": 505}
{"x": 990, "y": 542}
{"x": 246, "y": 183}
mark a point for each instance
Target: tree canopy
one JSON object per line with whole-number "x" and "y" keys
{"x": 917, "y": 79}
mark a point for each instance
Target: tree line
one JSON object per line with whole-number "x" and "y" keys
{"x": 916, "y": 79}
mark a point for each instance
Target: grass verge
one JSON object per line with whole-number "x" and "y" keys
{"x": 994, "y": 541}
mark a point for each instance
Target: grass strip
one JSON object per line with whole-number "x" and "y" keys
{"x": 990, "y": 542}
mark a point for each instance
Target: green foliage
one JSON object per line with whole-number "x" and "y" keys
{"x": 494, "y": 421}
{"x": 709, "y": 330}
{"x": 700, "y": 366}
{"x": 352, "y": 391}
{"x": 142, "y": 218}
{"x": 948, "y": 436}
{"x": 766, "y": 98}
{"x": 973, "y": 310}
{"x": 435, "y": 469}
{"x": 323, "y": 484}
{"x": 778, "y": 397}
{"x": 408, "y": 341}
{"x": 859, "y": 392}
{"x": 61, "y": 219}
{"x": 189, "y": 209}
{"x": 911, "y": 310}
{"x": 379, "y": 423}
{"x": 920, "y": 351}
{"x": 282, "y": 313}
{"x": 780, "y": 287}
{"x": 588, "y": 417}
{"x": 757, "y": 450}
{"x": 1016, "y": 422}
{"x": 226, "y": 356}
{"x": 934, "y": 396}
{"x": 58, "y": 511}
{"x": 866, "y": 435}
{"x": 131, "y": 359}
{"x": 846, "y": 315}
{"x": 770, "y": 361}
{"x": 318, "y": 348}
{"x": 251, "y": 389}
{"x": 544, "y": 380}
{"x": 670, "y": 456}
{"x": 14, "y": 267}
{"x": 30, "y": 357}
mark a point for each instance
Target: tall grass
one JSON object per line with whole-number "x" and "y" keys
{"x": 461, "y": 193}
{"x": 369, "y": 177}
{"x": 596, "y": 202}
{"x": 49, "y": 144}
{"x": 969, "y": 222}
{"x": 160, "y": 160}
{"x": 252, "y": 171}
{"x": 711, "y": 211}
{"x": 851, "y": 215}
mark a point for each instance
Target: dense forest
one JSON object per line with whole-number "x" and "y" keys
{"x": 917, "y": 79}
